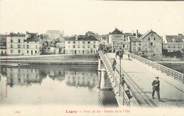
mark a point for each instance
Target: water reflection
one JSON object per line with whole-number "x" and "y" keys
{"x": 78, "y": 79}
{"x": 66, "y": 84}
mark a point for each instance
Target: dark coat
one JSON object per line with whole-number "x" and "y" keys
{"x": 156, "y": 85}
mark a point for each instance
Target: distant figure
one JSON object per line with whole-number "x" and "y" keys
{"x": 117, "y": 53}
{"x": 156, "y": 87}
{"x": 122, "y": 80}
{"x": 114, "y": 65}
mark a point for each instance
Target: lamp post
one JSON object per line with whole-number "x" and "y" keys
{"x": 121, "y": 79}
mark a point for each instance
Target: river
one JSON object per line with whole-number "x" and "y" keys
{"x": 54, "y": 84}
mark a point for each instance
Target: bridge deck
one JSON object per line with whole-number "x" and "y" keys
{"x": 172, "y": 91}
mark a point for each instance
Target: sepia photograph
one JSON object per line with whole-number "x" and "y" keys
{"x": 91, "y": 57}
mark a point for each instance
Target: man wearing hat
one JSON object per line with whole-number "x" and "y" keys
{"x": 156, "y": 87}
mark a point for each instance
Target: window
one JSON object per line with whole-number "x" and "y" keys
{"x": 35, "y": 52}
{"x": 28, "y": 46}
{"x": 83, "y": 42}
{"x": 18, "y": 40}
{"x": 94, "y": 46}
{"x": 148, "y": 38}
{"x": 28, "y": 51}
{"x": 18, "y": 46}
{"x": 68, "y": 42}
{"x": 154, "y": 38}
{"x": 151, "y": 44}
{"x": 88, "y": 42}
{"x": 74, "y": 42}
{"x": 11, "y": 40}
{"x": 19, "y": 51}
{"x": 11, "y": 46}
{"x": 73, "y": 46}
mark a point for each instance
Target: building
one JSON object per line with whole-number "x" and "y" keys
{"x": 81, "y": 45}
{"x": 104, "y": 39}
{"x": 151, "y": 44}
{"x": 3, "y": 45}
{"x": 32, "y": 44}
{"x": 61, "y": 47}
{"x": 135, "y": 45}
{"x": 118, "y": 40}
{"x": 15, "y": 44}
{"x": 23, "y": 44}
{"x": 174, "y": 43}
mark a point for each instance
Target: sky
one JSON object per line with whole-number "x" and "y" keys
{"x": 79, "y": 16}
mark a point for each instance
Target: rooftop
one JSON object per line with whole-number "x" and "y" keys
{"x": 16, "y": 35}
{"x": 175, "y": 38}
{"x": 134, "y": 39}
{"x": 116, "y": 31}
{"x": 147, "y": 33}
{"x": 81, "y": 38}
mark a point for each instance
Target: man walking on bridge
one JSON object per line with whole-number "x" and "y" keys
{"x": 156, "y": 87}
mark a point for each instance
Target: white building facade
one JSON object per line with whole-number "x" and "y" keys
{"x": 118, "y": 40}
{"x": 81, "y": 45}
{"x": 174, "y": 43}
{"x": 21, "y": 44}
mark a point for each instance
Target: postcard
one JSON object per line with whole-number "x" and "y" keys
{"x": 91, "y": 57}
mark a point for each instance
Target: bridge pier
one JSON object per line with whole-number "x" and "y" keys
{"x": 103, "y": 81}
{"x": 3, "y": 87}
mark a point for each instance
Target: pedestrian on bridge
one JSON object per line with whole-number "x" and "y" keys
{"x": 114, "y": 64}
{"x": 156, "y": 88}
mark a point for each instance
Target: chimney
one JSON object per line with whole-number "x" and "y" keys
{"x": 137, "y": 33}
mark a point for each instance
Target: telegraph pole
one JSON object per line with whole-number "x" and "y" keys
{"x": 120, "y": 54}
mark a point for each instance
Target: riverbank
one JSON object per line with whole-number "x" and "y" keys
{"x": 49, "y": 59}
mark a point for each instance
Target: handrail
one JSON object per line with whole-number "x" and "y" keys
{"x": 136, "y": 91}
{"x": 171, "y": 72}
{"x": 116, "y": 80}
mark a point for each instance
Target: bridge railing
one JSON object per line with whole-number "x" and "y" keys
{"x": 170, "y": 72}
{"x": 118, "y": 88}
